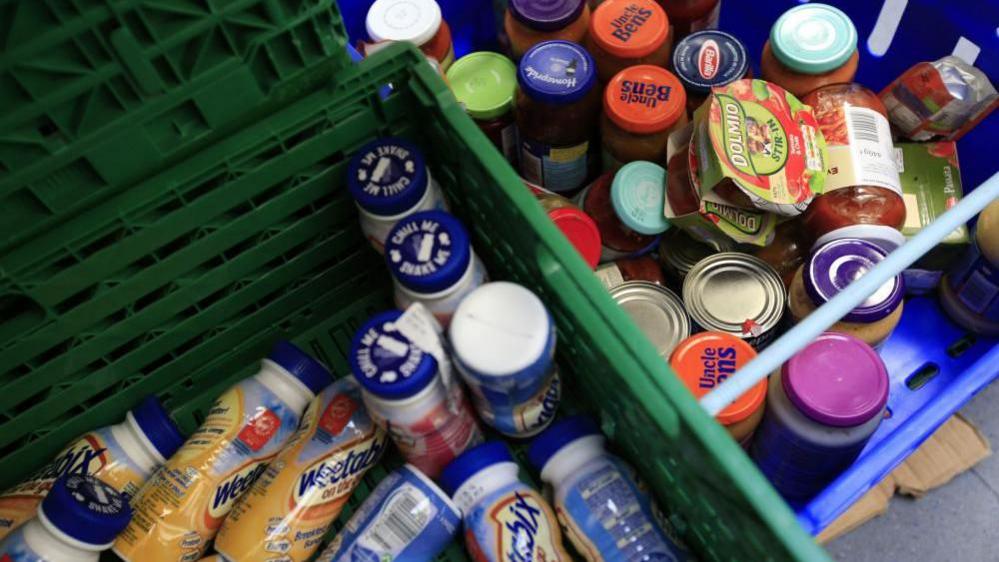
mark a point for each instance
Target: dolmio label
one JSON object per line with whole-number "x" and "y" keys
{"x": 755, "y": 142}
{"x": 631, "y": 20}
{"x": 519, "y": 527}
{"x": 288, "y": 510}
{"x": 179, "y": 511}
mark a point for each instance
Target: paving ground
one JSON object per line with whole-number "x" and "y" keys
{"x": 958, "y": 522}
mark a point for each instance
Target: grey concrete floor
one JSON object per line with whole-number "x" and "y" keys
{"x": 958, "y": 522}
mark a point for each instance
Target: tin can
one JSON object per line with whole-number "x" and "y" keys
{"x": 679, "y": 252}
{"x": 737, "y": 294}
{"x": 657, "y": 311}
{"x": 407, "y": 518}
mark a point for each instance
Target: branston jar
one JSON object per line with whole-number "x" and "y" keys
{"x": 626, "y": 33}
{"x": 529, "y": 22}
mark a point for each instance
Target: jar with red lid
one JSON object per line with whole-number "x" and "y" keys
{"x": 707, "y": 59}
{"x": 577, "y": 226}
{"x": 644, "y": 268}
{"x": 643, "y": 106}
{"x": 862, "y": 185}
{"x": 810, "y": 46}
{"x": 415, "y": 21}
{"x": 626, "y": 33}
{"x": 529, "y": 22}
{"x": 485, "y": 84}
{"x": 689, "y": 16}
{"x": 628, "y": 209}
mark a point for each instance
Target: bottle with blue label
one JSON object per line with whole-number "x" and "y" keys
{"x": 503, "y": 344}
{"x": 558, "y": 107}
{"x": 389, "y": 180}
{"x": 432, "y": 262}
{"x": 76, "y": 521}
{"x": 407, "y": 518}
{"x": 600, "y": 505}
{"x": 505, "y": 519}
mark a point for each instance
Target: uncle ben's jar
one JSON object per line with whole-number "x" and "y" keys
{"x": 626, "y": 33}
{"x": 643, "y": 106}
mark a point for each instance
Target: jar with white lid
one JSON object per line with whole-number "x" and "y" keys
{"x": 389, "y": 180}
{"x": 414, "y": 21}
{"x": 432, "y": 262}
{"x": 426, "y": 415}
{"x": 503, "y": 344}
{"x": 76, "y": 521}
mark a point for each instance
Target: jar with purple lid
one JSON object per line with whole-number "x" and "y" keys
{"x": 822, "y": 408}
{"x": 833, "y": 266}
{"x": 707, "y": 59}
{"x": 529, "y": 22}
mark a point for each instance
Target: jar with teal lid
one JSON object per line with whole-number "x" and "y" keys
{"x": 485, "y": 84}
{"x": 810, "y": 46}
{"x": 628, "y": 210}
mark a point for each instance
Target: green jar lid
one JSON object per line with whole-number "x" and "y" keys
{"x": 638, "y": 195}
{"x": 484, "y": 83}
{"x": 813, "y": 38}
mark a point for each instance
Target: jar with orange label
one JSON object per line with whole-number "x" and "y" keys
{"x": 529, "y": 22}
{"x": 705, "y": 360}
{"x": 643, "y": 106}
{"x": 689, "y": 16}
{"x": 414, "y": 21}
{"x": 810, "y": 46}
{"x": 625, "y": 33}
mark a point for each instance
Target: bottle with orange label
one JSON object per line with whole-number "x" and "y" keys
{"x": 122, "y": 456}
{"x": 505, "y": 519}
{"x": 179, "y": 511}
{"x": 288, "y": 510}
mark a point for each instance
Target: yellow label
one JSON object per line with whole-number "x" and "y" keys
{"x": 179, "y": 511}
{"x": 568, "y": 154}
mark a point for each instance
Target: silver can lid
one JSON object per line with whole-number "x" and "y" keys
{"x": 735, "y": 293}
{"x": 657, "y": 311}
{"x": 680, "y": 251}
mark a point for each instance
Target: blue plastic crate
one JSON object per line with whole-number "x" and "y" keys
{"x": 926, "y": 342}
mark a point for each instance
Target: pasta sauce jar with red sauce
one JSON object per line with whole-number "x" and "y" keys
{"x": 862, "y": 185}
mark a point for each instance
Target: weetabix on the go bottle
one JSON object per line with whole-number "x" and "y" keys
{"x": 179, "y": 511}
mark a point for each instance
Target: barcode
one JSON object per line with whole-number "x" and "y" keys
{"x": 402, "y": 523}
{"x": 864, "y": 126}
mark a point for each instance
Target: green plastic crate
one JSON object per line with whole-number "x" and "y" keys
{"x": 96, "y": 94}
{"x": 191, "y": 275}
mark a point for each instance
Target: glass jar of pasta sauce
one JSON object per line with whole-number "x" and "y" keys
{"x": 529, "y": 22}
{"x": 862, "y": 186}
{"x": 810, "y": 46}
{"x": 707, "y": 59}
{"x": 626, "y": 33}
{"x": 643, "y": 106}
{"x": 575, "y": 224}
{"x": 485, "y": 84}
{"x": 414, "y": 21}
{"x": 557, "y": 110}
{"x": 688, "y": 16}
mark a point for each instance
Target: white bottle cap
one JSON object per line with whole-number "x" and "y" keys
{"x": 415, "y": 21}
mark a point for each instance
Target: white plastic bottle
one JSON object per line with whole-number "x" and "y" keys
{"x": 602, "y": 509}
{"x": 77, "y": 520}
{"x": 122, "y": 455}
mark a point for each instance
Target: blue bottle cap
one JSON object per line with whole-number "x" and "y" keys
{"x": 388, "y": 176}
{"x": 813, "y": 38}
{"x": 301, "y": 365}
{"x": 709, "y": 58}
{"x": 558, "y": 435}
{"x": 428, "y": 252}
{"x": 158, "y": 426}
{"x": 473, "y": 460}
{"x": 638, "y": 195}
{"x": 556, "y": 72}
{"x": 387, "y": 363}
{"x": 85, "y": 509}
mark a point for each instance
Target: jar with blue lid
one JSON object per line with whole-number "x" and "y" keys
{"x": 426, "y": 414}
{"x": 79, "y": 518}
{"x": 602, "y": 508}
{"x": 389, "y": 180}
{"x": 557, "y": 110}
{"x": 432, "y": 262}
{"x": 503, "y": 344}
{"x": 707, "y": 59}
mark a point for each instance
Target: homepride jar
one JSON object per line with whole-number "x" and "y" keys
{"x": 414, "y": 21}
{"x": 810, "y": 46}
{"x": 557, "y": 110}
{"x": 389, "y": 180}
{"x": 503, "y": 344}
{"x": 643, "y": 106}
{"x": 823, "y": 406}
{"x": 485, "y": 84}
{"x": 626, "y": 33}
{"x": 829, "y": 270}
{"x": 529, "y": 22}
{"x": 432, "y": 262}
{"x": 707, "y": 59}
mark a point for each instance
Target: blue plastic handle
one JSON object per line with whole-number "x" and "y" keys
{"x": 770, "y": 359}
